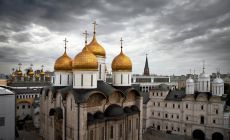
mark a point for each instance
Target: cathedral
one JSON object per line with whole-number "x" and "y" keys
{"x": 80, "y": 105}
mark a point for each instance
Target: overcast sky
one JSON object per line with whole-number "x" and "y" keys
{"x": 176, "y": 34}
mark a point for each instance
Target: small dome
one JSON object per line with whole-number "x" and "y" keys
{"x": 204, "y": 75}
{"x": 218, "y": 81}
{"x": 42, "y": 73}
{"x": 96, "y": 48}
{"x": 63, "y": 63}
{"x": 85, "y": 60}
{"x": 189, "y": 80}
{"x": 122, "y": 63}
{"x": 134, "y": 108}
{"x": 31, "y": 72}
{"x": 99, "y": 115}
{"x": 127, "y": 110}
{"x": 114, "y": 110}
{"x": 19, "y": 72}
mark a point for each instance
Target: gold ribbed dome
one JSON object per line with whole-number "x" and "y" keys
{"x": 96, "y": 48}
{"x": 85, "y": 60}
{"x": 63, "y": 63}
{"x": 31, "y": 72}
{"x": 122, "y": 63}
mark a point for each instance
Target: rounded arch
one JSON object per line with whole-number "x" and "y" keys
{"x": 95, "y": 98}
{"x": 198, "y": 134}
{"x": 116, "y": 97}
{"x": 131, "y": 95}
{"x": 217, "y": 136}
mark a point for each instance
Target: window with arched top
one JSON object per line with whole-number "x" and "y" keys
{"x": 91, "y": 80}
{"x": 60, "y": 79}
{"x": 81, "y": 79}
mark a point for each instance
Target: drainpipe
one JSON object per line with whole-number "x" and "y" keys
{"x": 78, "y": 121}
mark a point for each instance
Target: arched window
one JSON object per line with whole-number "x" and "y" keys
{"x": 60, "y": 79}
{"x": 91, "y": 80}
{"x": 128, "y": 78}
{"x": 81, "y": 79}
{"x": 100, "y": 72}
{"x": 68, "y": 79}
{"x": 121, "y": 78}
{"x": 201, "y": 119}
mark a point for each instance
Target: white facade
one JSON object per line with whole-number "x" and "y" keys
{"x": 84, "y": 79}
{"x": 121, "y": 78}
{"x": 63, "y": 78}
{"x": 7, "y": 114}
{"x": 202, "y": 115}
{"x": 101, "y": 68}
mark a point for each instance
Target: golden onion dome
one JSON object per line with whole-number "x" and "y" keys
{"x": 85, "y": 60}
{"x": 96, "y": 48}
{"x": 19, "y": 72}
{"x": 42, "y": 73}
{"x": 121, "y": 62}
{"x": 63, "y": 63}
{"x": 31, "y": 72}
{"x": 36, "y": 76}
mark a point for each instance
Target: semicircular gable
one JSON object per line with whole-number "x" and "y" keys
{"x": 132, "y": 95}
{"x": 116, "y": 97}
{"x": 96, "y": 99}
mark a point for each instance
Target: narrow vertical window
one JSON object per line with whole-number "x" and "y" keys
{"x": 121, "y": 78}
{"x": 100, "y": 72}
{"x": 128, "y": 78}
{"x": 71, "y": 104}
{"x": 111, "y": 132}
{"x": 81, "y": 79}
{"x": 207, "y": 84}
{"x": 102, "y": 133}
{"x": 120, "y": 130}
{"x": 91, "y": 134}
{"x": 60, "y": 79}
{"x": 68, "y": 79}
{"x": 74, "y": 79}
{"x": 129, "y": 125}
{"x": 137, "y": 123}
{"x": 91, "y": 80}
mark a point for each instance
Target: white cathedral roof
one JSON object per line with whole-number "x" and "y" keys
{"x": 218, "y": 80}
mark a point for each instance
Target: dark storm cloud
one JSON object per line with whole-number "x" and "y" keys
{"x": 3, "y": 38}
{"x": 199, "y": 29}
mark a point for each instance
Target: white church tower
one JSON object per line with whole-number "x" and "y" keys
{"x": 121, "y": 69}
{"x": 218, "y": 86}
{"x": 100, "y": 53}
{"x": 85, "y": 69}
{"x": 190, "y": 85}
{"x": 204, "y": 81}
{"x": 63, "y": 70}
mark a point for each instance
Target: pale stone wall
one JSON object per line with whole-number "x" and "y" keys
{"x": 183, "y": 117}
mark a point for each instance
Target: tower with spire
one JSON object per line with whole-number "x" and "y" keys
{"x": 146, "y": 69}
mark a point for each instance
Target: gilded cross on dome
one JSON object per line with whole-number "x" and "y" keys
{"x": 121, "y": 43}
{"x": 19, "y": 65}
{"x": 65, "y": 43}
{"x": 94, "y": 27}
{"x": 86, "y": 35}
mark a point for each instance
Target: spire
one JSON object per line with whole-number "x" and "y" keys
{"x": 65, "y": 43}
{"x": 121, "y": 44}
{"x": 146, "y": 69}
{"x": 203, "y": 65}
{"x": 94, "y": 27}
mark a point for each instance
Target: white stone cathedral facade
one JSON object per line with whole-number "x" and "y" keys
{"x": 82, "y": 106}
{"x": 200, "y": 111}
